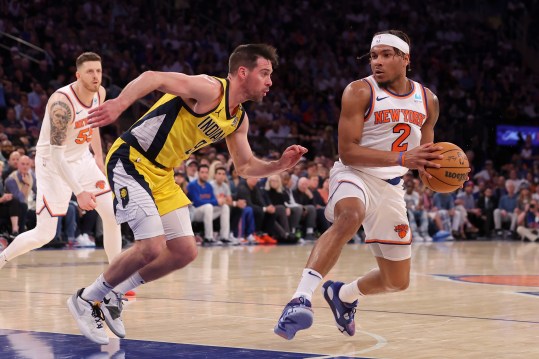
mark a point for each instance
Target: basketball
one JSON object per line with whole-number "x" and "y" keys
{"x": 453, "y": 171}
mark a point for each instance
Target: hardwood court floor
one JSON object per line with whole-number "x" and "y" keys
{"x": 466, "y": 300}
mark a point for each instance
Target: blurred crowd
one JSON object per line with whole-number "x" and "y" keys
{"x": 477, "y": 73}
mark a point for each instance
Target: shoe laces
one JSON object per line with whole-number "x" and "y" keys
{"x": 98, "y": 315}
{"x": 120, "y": 298}
{"x": 349, "y": 314}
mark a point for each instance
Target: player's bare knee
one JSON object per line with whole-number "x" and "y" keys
{"x": 348, "y": 222}
{"x": 397, "y": 283}
{"x": 190, "y": 254}
{"x": 150, "y": 250}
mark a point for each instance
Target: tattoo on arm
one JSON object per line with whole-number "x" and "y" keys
{"x": 60, "y": 115}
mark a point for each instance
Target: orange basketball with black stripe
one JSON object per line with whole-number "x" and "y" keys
{"x": 453, "y": 171}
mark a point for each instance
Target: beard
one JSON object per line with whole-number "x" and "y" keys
{"x": 91, "y": 87}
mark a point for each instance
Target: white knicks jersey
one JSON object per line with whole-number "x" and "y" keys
{"x": 393, "y": 123}
{"x": 79, "y": 133}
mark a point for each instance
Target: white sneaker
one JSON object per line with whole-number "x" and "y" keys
{"x": 417, "y": 238}
{"x": 89, "y": 318}
{"x": 84, "y": 241}
{"x": 251, "y": 239}
{"x": 233, "y": 240}
{"x": 112, "y": 309}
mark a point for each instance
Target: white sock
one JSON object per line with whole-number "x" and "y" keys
{"x": 308, "y": 283}
{"x": 129, "y": 284}
{"x": 97, "y": 290}
{"x": 350, "y": 292}
{"x": 310, "y": 230}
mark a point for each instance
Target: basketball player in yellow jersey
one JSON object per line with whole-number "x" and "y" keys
{"x": 195, "y": 112}
{"x": 386, "y": 127}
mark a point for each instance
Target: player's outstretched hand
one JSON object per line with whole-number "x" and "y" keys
{"x": 291, "y": 156}
{"x": 86, "y": 201}
{"x": 422, "y": 156}
{"x": 105, "y": 114}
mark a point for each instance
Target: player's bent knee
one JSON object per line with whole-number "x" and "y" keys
{"x": 348, "y": 220}
{"x": 150, "y": 249}
{"x": 190, "y": 254}
{"x": 397, "y": 283}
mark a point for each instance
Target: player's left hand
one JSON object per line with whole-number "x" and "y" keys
{"x": 105, "y": 114}
{"x": 291, "y": 156}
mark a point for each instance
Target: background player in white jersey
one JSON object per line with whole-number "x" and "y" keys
{"x": 64, "y": 163}
{"x": 386, "y": 126}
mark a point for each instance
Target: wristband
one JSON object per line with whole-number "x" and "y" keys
{"x": 400, "y": 159}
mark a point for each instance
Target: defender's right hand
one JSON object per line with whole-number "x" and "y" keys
{"x": 105, "y": 114}
{"x": 86, "y": 201}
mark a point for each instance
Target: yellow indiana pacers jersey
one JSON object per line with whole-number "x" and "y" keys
{"x": 170, "y": 131}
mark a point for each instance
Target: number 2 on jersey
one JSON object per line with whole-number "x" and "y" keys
{"x": 398, "y": 145}
{"x": 85, "y": 135}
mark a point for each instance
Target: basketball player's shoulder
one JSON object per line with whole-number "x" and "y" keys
{"x": 59, "y": 97}
{"x": 432, "y": 99}
{"x": 358, "y": 89}
{"x": 102, "y": 92}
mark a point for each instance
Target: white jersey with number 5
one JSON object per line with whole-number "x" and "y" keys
{"x": 393, "y": 123}
{"x": 79, "y": 133}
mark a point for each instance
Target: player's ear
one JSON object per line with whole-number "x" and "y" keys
{"x": 242, "y": 72}
{"x": 77, "y": 75}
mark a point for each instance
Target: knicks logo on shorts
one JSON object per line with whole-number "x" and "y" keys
{"x": 100, "y": 184}
{"x": 402, "y": 230}
{"x": 124, "y": 196}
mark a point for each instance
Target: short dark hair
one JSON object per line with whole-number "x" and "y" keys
{"x": 220, "y": 168}
{"x": 247, "y": 55}
{"x": 400, "y": 34}
{"x": 203, "y": 166}
{"x": 87, "y": 56}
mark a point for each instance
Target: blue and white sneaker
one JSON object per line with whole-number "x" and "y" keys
{"x": 297, "y": 315}
{"x": 343, "y": 312}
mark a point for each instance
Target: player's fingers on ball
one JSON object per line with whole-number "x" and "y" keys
{"x": 432, "y": 164}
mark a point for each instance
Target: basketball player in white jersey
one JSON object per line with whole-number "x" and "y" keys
{"x": 386, "y": 127}
{"x": 64, "y": 163}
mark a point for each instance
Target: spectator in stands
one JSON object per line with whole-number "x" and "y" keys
{"x": 221, "y": 189}
{"x": 234, "y": 181}
{"x": 212, "y": 167}
{"x": 448, "y": 220}
{"x": 304, "y": 196}
{"x": 264, "y": 212}
{"x": 278, "y": 198}
{"x": 506, "y": 211}
{"x": 67, "y": 225}
{"x": 487, "y": 203}
{"x": 487, "y": 174}
{"x": 9, "y": 210}
{"x": 12, "y": 164}
{"x": 180, "y": 179}
{"x": 22, "y": 184}
{"x": 529, "y": 227}
{"x": 296, "y": 209}
{"x": 322, "y": 224}
{"x": 472, "y": 215}
{"x": 499, "y": 188}
{"x": 13, "y": 127}
{"x": 208, "y": 207}
{"x": 419, "y": 223}
{"x": 312, "y": 170}
{"x": 191, "y": 170}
